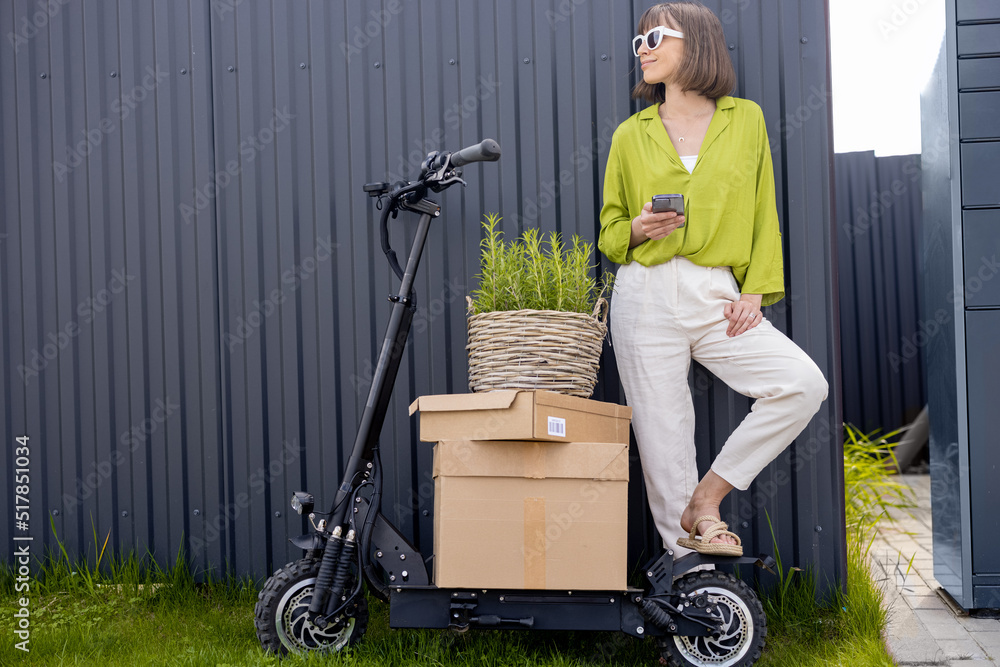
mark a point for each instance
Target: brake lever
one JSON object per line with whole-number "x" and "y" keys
{"x": 438, "y": 173}
{"x": 450, "y": 178}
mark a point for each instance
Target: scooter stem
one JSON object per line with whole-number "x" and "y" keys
{"x": 389, "y": 358}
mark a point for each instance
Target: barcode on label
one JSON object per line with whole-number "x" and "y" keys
{"x": 557, "y": 426}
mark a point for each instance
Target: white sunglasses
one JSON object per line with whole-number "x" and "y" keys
{"x": 653, "y": 38}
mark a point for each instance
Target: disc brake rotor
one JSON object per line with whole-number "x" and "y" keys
{"x": 296, "y": 631}
{"x": 734, "y": 639}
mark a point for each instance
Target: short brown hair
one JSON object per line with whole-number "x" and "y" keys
{"x": 705, "y": 66}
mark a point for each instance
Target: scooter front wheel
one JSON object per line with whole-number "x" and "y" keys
{"x": 743, "y": 631}
{"x": 282, "y": 614}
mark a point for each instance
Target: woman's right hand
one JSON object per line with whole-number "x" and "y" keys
{"x": 654, "y": 226}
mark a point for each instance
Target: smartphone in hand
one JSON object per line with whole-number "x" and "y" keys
{"x": 664, "y": 203}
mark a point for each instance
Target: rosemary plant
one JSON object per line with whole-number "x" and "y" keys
{"x": 536, "y": 273}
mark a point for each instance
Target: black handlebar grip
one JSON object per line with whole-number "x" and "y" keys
{"x": 485, "y": 151}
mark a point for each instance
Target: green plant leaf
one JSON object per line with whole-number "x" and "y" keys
{"x": 535, "y": 272}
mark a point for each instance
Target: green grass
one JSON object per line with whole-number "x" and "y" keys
{"x": 184, "y": 623}
{"x": 129, "y": 611}
{"x": 846, "y": 631}
{"x": 196, "y": 624}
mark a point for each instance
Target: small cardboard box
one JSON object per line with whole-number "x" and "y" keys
{"x": 521, "y": 415}
{"x": 530, "y": 515}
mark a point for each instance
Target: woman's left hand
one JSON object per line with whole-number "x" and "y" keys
{"x": 744, "y": 314}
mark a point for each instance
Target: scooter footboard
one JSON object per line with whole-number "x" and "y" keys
{"x": 662, "y": 571}
{"x": 431, "y": 607}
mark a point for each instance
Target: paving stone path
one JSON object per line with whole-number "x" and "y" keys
{"x": 925, "y": 626}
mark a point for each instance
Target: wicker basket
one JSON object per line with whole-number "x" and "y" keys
{"x": 536, "y": 349}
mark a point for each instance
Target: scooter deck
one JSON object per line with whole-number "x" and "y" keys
{"x": 427, "y": 606}
{"x": 432, "y": 607}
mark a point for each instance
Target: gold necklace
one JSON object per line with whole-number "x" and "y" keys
{"x": 698, "y": 118}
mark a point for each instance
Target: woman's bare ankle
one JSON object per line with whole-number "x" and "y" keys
{"x": 694, "y": 511}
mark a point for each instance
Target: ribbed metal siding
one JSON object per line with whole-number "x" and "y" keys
{"x": 109, "y": 315}
{"x": 238, "y": 315}
{"x": 879, "y": 209}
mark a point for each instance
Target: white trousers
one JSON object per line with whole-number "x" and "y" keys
{"x": 663, "y": 316}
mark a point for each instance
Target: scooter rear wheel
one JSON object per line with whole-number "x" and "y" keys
{"x": 282, "y": 614}
{"x": 744, "y": 624}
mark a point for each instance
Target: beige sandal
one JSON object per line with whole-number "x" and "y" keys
{"x": 703, "y": 543}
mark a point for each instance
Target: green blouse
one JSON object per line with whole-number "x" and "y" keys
{"x": 729, "y": 200}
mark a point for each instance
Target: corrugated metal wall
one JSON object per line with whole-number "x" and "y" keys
{"x": 110, "y": 297}
{"x": 879, "y": 208}
{"x": 192, "y": 291}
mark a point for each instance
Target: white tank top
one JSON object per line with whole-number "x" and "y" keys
{"x": 689, "y": 161}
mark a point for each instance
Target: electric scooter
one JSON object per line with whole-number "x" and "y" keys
{"x": 318, "y": 603}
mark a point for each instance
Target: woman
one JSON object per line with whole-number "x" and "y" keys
{"x": 692, "y": 282}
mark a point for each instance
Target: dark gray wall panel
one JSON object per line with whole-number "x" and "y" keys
{"x": 980, "y": 174}
{"x": 981, "y": 243}
{"x": 977, "y": 10}
{"x": 979, "y": 73}
{"x": 984, "y": 424}
{"x": 231, "y": 196}
{"x": 960, "y": 265}
{"x": 979, "y": 39}
{"x": 979, "y": 115}
{"x": 882, "y": 334}
{"x": 105, "y": 133}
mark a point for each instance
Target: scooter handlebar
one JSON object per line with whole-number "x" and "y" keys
{"x": 485, "y": 151}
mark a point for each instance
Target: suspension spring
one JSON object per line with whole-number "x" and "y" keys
{"x": 656, "y": 615}
{"x": 342, "y": 573}
{"x": 327, "y": 567}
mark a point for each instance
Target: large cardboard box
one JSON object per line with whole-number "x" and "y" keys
{"x": 521, "y": 415}
{"x": 530, "y": 515}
